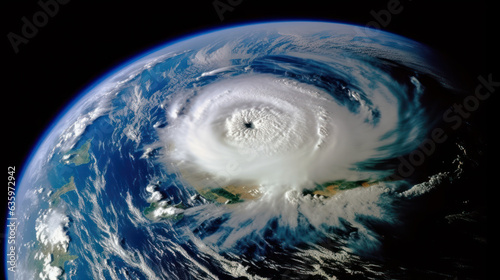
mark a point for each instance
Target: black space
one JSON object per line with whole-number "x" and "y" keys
{"x": 86, "y": 39}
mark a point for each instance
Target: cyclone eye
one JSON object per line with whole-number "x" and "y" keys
{"x": 249, "y": 125}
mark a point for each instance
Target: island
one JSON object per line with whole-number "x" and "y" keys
{"x": 329, "y": 189}
{"x": 55, "y": 198}
{"x": 78, "y": 156}
{"x": 52, "y": 236}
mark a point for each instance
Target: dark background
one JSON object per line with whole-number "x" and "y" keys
{"x": 86, "y": 39}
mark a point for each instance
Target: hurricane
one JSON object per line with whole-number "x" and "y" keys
{"x": 282, "y": 129}
{"x": 279, "y": 129}
{"x": 265, "y": 151}
{"x": 283, "y": 134}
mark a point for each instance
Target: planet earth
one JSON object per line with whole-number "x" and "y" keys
{"x": 280, "y": 150}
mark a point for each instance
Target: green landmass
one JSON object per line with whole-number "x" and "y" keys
{"x": 78, "y": 156}
{"x": 59, "y": 256}
{"x": 55, "y": 198}
{"x": 330, "y": 188}
{"x": 148, "y": 210}
{"x": 59, "y": 259}
{"x": 238, "y": 194}
{"x": 222, "y": 195}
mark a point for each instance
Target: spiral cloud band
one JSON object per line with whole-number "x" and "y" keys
{"x": 267, "y": 130}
